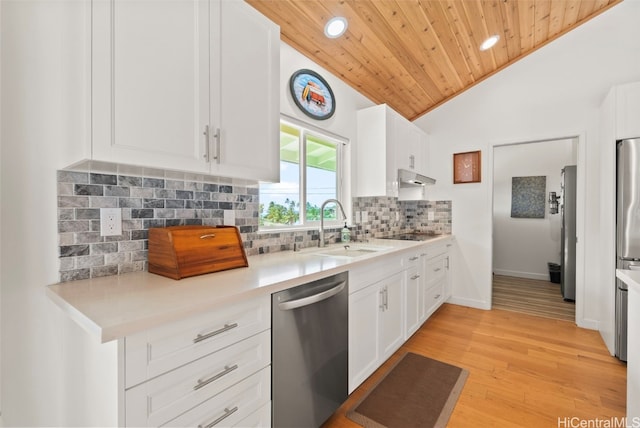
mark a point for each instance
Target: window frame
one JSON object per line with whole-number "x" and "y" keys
{"x": 306, "y": 129}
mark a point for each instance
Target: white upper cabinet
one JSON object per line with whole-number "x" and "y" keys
{"x": 386, "y": 142}
{"x": 411, "y": 145}
{"x": 166, "y": 72}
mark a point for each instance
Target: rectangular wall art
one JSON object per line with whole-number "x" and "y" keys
{"x": 528, "y": 197}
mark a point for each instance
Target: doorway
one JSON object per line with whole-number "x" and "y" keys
{"x": 526, "y": 230}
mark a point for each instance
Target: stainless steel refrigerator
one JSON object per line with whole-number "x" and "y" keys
{"x": 568, "y": 233}
{"x": 627, "y": 230}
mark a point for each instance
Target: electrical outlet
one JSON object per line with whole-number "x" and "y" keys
{"x": 110, "y": 221}
{"x": 229, "y": 217}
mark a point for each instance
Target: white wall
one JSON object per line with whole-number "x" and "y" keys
{"x": 523, "y": 246}
{"x": 552, "y": 93}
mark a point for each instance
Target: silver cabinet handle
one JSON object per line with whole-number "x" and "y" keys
{"x": 437, "y": 297}
{"x": 202, "y": 383}
{"x": 216, "y": 136}
{"x": 386, "y": 298}
{"x": 305, "y": 301}
{"x": 414, "y": 258}
{"x": 437, "y": 270}
{"x": 227, "y": 327}
{"x": 381, "y": 292}
{"x": 206, "y": 144}
{"x": 208, "y": 235}
{"x": 423, "y": 254}
{"x": 447, "y": 263}
{"x": 412, "y": 162}
{"x": 414, "y": 277}
{"x": 227, "y": 412}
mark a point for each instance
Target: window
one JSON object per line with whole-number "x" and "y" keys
{"x": 310, "y": 173}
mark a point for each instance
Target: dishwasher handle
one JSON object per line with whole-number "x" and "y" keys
{"x": 315, "y": 298}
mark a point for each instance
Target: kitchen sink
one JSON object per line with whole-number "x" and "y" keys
{"x": 351, "y": 251}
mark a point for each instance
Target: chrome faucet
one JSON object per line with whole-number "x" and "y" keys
{"x": 321, "y": 242}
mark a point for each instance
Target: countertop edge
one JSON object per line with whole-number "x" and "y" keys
{"x": 629, "y": 277}
{"x": 75, "y": 298}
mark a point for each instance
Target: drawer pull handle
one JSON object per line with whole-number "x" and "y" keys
{"x": 423, "y": 254}
{"x": 208, "y": 235}
{"x": 227, "y": 412}
{"x": 202, "y": 383}
{"x": 437, "y": 270}
{"x": 437, "y": 297}
{"x": 227, "y": 327}
{"x": 415, "y": 277}
{"x": 413, "y": 259}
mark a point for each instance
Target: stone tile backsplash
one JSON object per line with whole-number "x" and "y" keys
{"x": 148, "y": 202}
{"x": 386, "y": 216}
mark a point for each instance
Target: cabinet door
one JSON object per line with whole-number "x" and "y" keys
{"x": 150, "y": 82}
{"x": 364, "y": 309}
{"x": 247, "y": 82}
{"x": 391, "y": 333}
{"x": 413, "y": 292}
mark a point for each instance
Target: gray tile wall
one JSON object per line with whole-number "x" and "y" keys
{"x": 387, "y": 216}
{"x": 148, "y": 202}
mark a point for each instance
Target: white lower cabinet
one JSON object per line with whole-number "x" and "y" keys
{"x": 384, "y": 313}
{"x": 433, "y": 286}
{"x": 209, "y": 370}
{"x": 231, "y": 407}
{"x": 375, "y": 327}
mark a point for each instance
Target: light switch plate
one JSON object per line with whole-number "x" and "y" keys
{"x": 110, "y": 221}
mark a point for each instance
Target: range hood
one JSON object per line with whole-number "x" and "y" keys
{"x": 408, "y": 178}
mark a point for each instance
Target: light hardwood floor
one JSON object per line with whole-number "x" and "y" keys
{"x": 531, "y": 296}
{"x": 524, "y": 371}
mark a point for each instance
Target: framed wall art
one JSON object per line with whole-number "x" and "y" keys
{"x": 467, "y": 167}
{"x": 312, "y": 94}
{"x": 528, "y": 196}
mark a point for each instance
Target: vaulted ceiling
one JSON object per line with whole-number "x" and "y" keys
{"x": 415, "y": 55}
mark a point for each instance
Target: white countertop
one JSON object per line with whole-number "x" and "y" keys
{"x": 112, "y": 307}
{"x": 629, "y": 277}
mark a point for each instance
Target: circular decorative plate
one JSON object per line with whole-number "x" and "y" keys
{"x": 312, "y": 94}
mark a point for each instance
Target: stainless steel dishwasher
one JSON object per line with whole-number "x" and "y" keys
{"x": 310, "y": 340}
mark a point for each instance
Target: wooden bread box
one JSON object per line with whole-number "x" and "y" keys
{"x": 182, "y": 251}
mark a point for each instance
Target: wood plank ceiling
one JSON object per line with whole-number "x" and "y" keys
{"x": 415, "y": 55}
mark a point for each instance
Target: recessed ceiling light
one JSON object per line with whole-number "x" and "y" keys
{"x": 335, "y": 27}
{"x": 490, "y": 42}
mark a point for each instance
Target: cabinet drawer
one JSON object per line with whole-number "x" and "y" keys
{"x": 435, "y": 270}
{"x": 232, "y": 407}
{"x": 409, "y": 260}
{"x": 161, "y": 399}
{"x": 364, "y": 275}
{"x": 433, "y": 298}
{"x": 156, "y": 351}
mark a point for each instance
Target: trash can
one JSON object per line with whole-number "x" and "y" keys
{"x": 554, "y": 272}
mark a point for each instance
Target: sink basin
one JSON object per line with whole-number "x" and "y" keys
{"x": 351, "y": 251}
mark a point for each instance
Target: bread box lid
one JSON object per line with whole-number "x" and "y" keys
{"x": 182, "y": 251}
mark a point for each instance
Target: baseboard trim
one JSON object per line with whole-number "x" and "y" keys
{"x": 477, "y": 304}
{"x": 526, "y": 275}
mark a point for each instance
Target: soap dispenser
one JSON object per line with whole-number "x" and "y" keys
{"x": 346, "y": 233}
